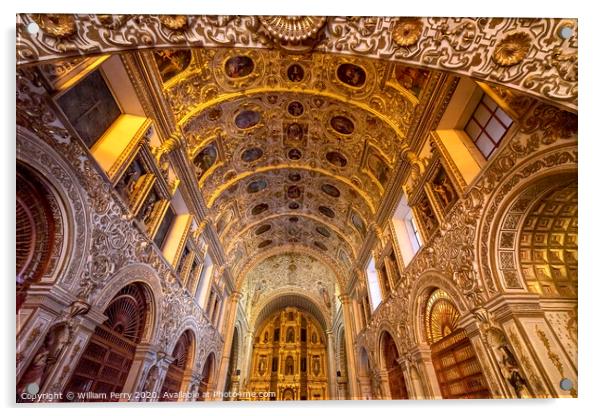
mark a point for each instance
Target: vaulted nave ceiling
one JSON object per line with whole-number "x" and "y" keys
{"x": 291, "y": 150}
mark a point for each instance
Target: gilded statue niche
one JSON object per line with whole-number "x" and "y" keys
{"x": 289, "y": 356}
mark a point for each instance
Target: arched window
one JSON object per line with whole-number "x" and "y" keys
{"x": 106, "y": 361}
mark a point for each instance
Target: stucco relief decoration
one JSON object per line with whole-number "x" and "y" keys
{"x": 56, "y": 25}
{"x": 174, "y": 22}
{"x": 459, "y": 45}
{"x": 292, "y": 28}
{"x": 512, "y": 49}
{"x": 406, "y": 32}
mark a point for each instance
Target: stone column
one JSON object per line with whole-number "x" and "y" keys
{"x": 542, "y": 359}
{"x": 247, "y": 358}
{"x": 421, "y": 354}
{"x": 497, "y": 387}
{"x": 163, "y": 367}
{"x": 81, "y": 332}
{"x": 228, "y": 334}
{"x": 405, "y": 369}
{"x": 382, "y": 376}
{"x": 187, "y": 380}
{"x": 144, "y": 358}
{"x": 332, "y": 373}
{"x": 349, "y": 322}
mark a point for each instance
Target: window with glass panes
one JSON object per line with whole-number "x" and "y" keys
{"x": 487, "y": 126}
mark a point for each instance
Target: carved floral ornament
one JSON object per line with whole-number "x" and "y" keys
{"x": 457, "y": 45}
{"x": 174, "y": 22}
{"x": 512, "y": 49}
{"x": 57, "y": 25}
{"x": 406, "y": 32}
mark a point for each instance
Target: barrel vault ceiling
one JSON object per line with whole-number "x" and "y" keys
{"x": 290, "y": 150}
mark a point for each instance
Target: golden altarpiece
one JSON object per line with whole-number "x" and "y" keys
{"x": 289, "y": 357}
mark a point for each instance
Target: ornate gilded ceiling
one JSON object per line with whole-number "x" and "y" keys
{"x": 290, "y": 150}
{"x": 299, "y": 275}
{"x": 295, "y": 125}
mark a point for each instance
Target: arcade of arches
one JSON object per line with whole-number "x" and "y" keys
{"x": 296, "y": 208}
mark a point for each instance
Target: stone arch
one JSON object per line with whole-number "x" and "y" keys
{"x": 537, "y": 172}
{"x": 422, "y": 289}
{"x": 282, "y": 298}
{"x": 71, "y": 205}
{"x": 504, "y": 240}
{"x": 190, "y": 324}
{"x": 389, "y": 354}
{"x": 109, "y": 356}
{"x": 183, "y": 356}
{"x": 207, "y": 376}
{"x": 149, "y": 278}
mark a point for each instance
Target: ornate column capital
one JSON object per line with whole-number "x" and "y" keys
{"x": 345, "y": 299}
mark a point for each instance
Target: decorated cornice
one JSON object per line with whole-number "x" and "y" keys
{"x": 536, "y": 56}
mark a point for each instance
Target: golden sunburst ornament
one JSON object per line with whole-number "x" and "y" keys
{"x": 512, "y": 49}
{"x": 292, "y": 28}
{"x": 407, "y": 31}
{"x": 57, "y": 25}
{"x": 174, "y": 22}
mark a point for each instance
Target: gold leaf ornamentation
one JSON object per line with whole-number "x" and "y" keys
{"x": 407, "y": 31}
{"x": 174, "y": 22}
{"x": 512, "y": 49}
{"x": 292, "y": 28}
{"x": 57, "y": 25}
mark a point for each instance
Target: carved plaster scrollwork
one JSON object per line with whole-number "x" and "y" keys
{"x": 460, "y": 45}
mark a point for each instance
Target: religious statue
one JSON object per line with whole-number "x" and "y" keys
{"x": 151, "y": 380}
{"x": 509, "y": 367}
{"x": 259, "y": 287}
{"x": 290, "y": 335}
{"x": 289, "y": 367}
{"x": 443, "y": 189}
{"x": 262, "y": 365}
{"x": 316, "y": 365}
{"x": 325, "y": 295}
